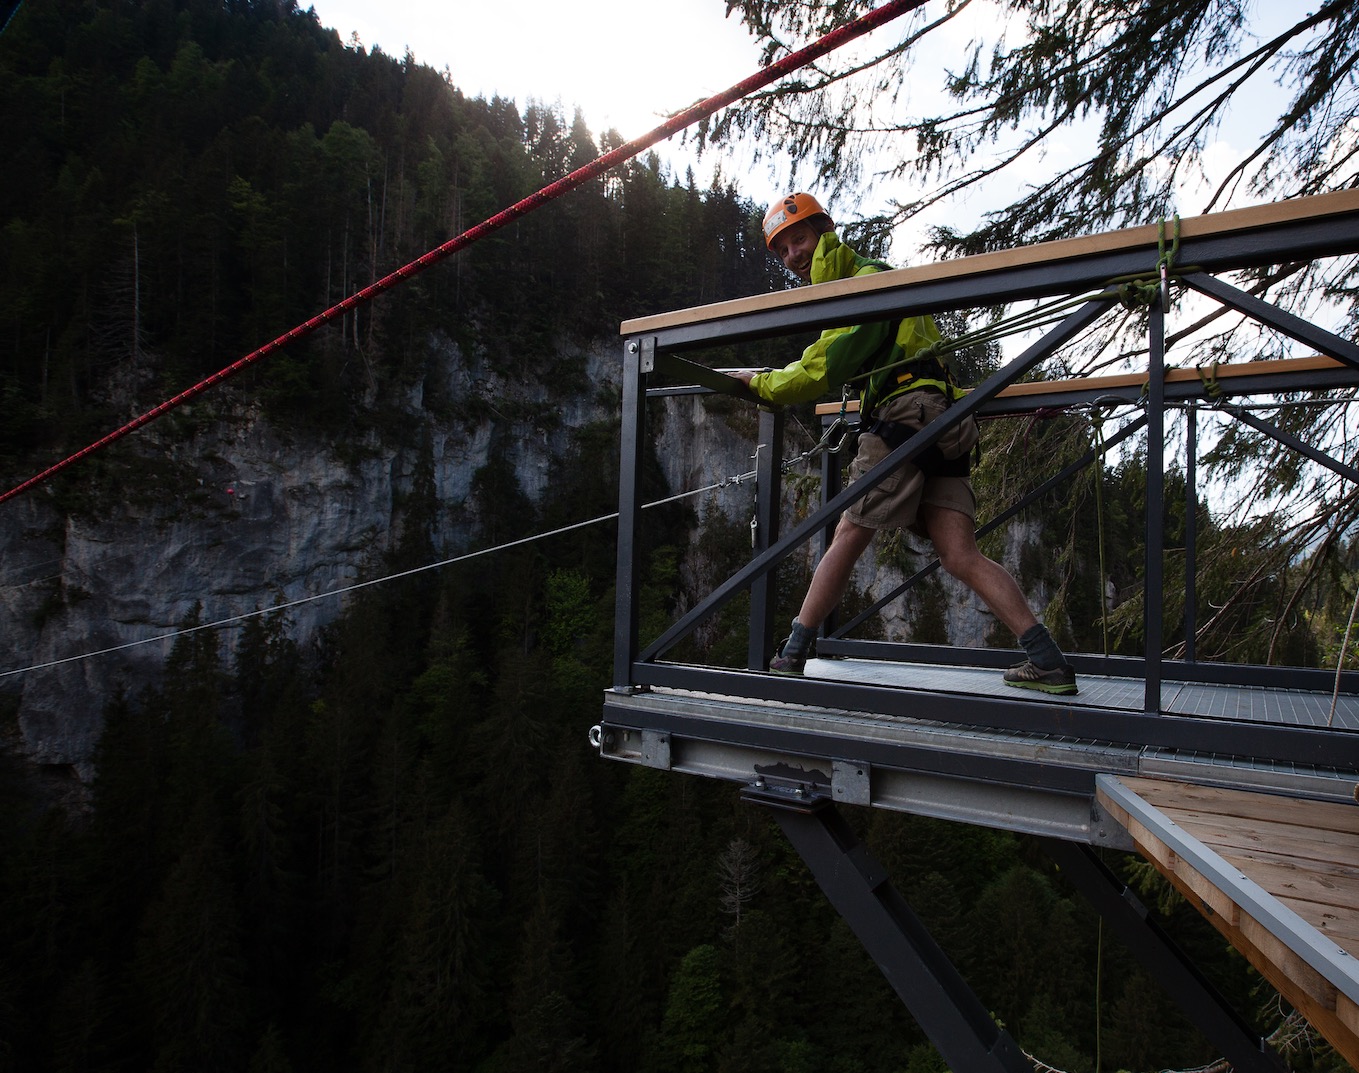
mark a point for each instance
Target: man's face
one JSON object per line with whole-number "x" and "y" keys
{"x": 794, "y": 246}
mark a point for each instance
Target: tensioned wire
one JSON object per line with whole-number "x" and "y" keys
{"x": 257, "y": 613}
{"x": 232, "y": 620}
{"x": 821, "y": 445}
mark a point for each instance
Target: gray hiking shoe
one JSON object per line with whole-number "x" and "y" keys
{"x": 788, "y": 660}
{"x": 1027, "y": 675}
{"x": 782, "y": 664}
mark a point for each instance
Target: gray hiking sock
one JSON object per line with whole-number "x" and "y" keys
{"x": 1041, "y": 649}
{"x": 799, "y": 642}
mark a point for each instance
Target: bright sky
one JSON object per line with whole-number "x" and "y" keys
{"x": 628, "y": 63}
{"x": 624, "y": 63}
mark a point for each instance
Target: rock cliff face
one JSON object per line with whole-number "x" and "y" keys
{"x": 242, "y": 516}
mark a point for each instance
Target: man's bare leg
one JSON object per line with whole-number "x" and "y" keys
{"x": 1046, "y": 668}
{"x": 832, "y": 573}
{"x": 829, "y": 582}
{"x": 956, "y": 543}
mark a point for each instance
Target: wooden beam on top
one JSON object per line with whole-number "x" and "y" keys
{"x": 1274, "y": 367}
{"x": 1274, "y": 875}
{"x": 1234, "y": 221}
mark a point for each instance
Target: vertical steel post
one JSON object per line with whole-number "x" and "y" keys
{"x": 832, "y": 484}
{"x": 768, "y": 503}
{"x": 1191, "y": 531}
{"x": 1153, "y": 596}
{"x": 639, "y": 356}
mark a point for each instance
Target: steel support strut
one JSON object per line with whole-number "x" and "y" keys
{"x": 1328, "y": 343}
{"x": 1154, "y": 597}
{"x": 1191, "y": 533}
{"x": 765, "y": 532}
{"x": 638, "y": 358}
{"x": 919, "y": 971}
{"x": 1242, "y": 1046}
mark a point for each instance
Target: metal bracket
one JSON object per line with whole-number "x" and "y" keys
{"x": 645, "y": 348}
{"x": 650, "y": 748}
{"x": 656, "y": 749}
{"x": 851, "y": 782}
{"x": 794, "y": 791}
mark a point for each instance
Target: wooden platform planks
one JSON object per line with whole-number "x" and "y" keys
{"x": 1278, "y": 876}
{"x": 1271, "y": 367}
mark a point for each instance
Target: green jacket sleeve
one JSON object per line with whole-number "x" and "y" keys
{"x": 824, "y": 366}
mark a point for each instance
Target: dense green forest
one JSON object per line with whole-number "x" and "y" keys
{"x": 398, "y": 852}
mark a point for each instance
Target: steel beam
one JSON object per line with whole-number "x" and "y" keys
{"x": 1321, "y": 458}
{"x": 1303, "y": 745}
{"x": 1127, "y": 917}
{"x": 1290, "y": 324}
{"x": 1241, "y": 674}
{"x": 1154, "y": 567}
{"x": 1191, "y": 534}
{"x": 919, "y": 971}
{"x": 832, "y": 484}
{"x": 1289, "y": 241}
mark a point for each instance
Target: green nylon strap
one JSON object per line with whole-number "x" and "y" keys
{"x": 1166, "y": 259}
{"x": 1139, "y": 292}
{"x": 1211, "y": 387}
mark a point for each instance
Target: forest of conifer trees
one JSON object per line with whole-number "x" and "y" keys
{"x": 393, "y": 849}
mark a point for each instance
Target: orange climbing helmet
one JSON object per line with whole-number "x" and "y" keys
{"x": 792, "y": 209}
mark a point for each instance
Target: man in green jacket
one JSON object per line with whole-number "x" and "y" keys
{"x": 905, "y": 386}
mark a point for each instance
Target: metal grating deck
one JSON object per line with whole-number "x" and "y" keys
{"x": 1285, "y": 707}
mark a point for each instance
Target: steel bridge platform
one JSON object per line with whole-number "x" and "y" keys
{"x": 1035, "y": 780}
{"x": 1238, "y": 783}
{"x": 1266, "y": 849}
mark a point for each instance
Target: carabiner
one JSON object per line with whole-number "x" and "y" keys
{"x": 830, "y": 442}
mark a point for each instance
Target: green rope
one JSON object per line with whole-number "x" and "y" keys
{"x": 1211, "y": 386}
{"x": 1131, "y": 292}
{"x": 1140, "y": 291}
{"x": 1038, "y": 317}
{"x": 1166, "y": 259}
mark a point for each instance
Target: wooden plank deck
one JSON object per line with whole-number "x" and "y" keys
{"x": 1273, "y": 367}
{"x": 1277, "y": 876}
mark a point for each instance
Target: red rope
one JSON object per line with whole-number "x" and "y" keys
{"x": 596, "y": 167}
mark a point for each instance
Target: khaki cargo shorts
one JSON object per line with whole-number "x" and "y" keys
{"x": 896, "y": 502}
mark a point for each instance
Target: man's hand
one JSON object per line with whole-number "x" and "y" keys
{"x": 744, "y": 375}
